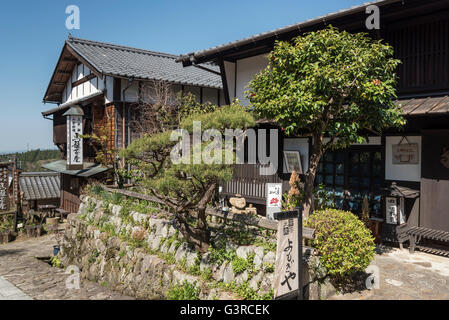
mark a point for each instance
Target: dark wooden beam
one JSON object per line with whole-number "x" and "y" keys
{"x": 82, "y": 80}
{"x": 64, "y": 72}
{"x": 69, "y": 59}
{"x": 224, "y": 81}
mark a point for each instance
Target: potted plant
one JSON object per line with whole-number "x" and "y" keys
{"x": 33, "y": 228}
{"x": 6, "y": 226}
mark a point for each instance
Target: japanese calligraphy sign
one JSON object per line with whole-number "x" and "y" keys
{"x": 405, "y": 153}
{"x": 274, "y": 198}
{"x": 74, "y": 142}
{"x": 288, "y": 255}
{"x": 4, "y": 196}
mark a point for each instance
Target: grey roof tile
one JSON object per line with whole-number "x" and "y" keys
{"x": 39, "y": 185}
{"x": 123, "y": 61}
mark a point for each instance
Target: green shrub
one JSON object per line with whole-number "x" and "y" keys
{"x": 239, "y": 265}
{"x": 344, "y": 244}
{"x": 184, "y": 291}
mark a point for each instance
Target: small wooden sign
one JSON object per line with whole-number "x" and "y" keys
{"x": 405, "y": 153}
{"x": 288, "y": 255}
{"x": 4, "y": 187}
{"x": 391, "y": 210}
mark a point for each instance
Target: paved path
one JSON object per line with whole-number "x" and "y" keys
{"x": 403, "y": 276}
{"x": 9, "y": 292}
{"x": 23, "y": 276}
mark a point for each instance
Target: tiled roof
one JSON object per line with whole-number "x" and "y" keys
{"x": 120, "y": 61}
{"x": 89, "y": 168}
{"x": 39, "y": 185}
{"x": 425, "y": 106}
{"x": 192, "y": 56}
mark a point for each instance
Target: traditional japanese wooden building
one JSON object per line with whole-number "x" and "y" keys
{"x": 39, "y": 189}
{"x": 404, "y": 173}
{"x": 101, "y": 84}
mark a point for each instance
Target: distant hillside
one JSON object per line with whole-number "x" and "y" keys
{"x": 32, "y": 160}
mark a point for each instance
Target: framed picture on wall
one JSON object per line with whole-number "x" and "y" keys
{"x": 293, "y": 161}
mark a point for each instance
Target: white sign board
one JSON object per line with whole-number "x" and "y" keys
{"x": 274, "y": 198}
{"x": 392, "y": 210}
{"x": 74, "y": 141}
{"x": 286, "y": 279}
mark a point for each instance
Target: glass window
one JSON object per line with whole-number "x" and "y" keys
{"x": 359, "y": 171}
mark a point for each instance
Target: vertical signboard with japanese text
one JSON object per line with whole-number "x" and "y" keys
{"x": 274, "y": 198}
{"x": 74, "y": 142}
{"x": 4, "y": 203}
{"x": 288, "y": 255}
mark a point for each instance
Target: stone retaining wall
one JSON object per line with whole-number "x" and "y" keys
{"x": 142, "y": 256}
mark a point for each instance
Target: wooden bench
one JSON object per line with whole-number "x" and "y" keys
{"x": 416, "y": 234}
{"x": 62, "y": 213}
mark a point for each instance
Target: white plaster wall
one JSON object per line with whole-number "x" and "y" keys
{"x": 246, "y": 70}
{"x": 402, "y": 172}
{"x": 132, "y": 93}
{"x": 87, "y": 88}
{"x": 301, "y": 145}
{"x": 109, "y": 89}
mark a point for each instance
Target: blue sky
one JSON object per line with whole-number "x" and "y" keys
{"x": 32, "y": 34}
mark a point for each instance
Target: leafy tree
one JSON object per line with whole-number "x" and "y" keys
{"x": 328, "y": 83}
{"x": 187, "y": 187}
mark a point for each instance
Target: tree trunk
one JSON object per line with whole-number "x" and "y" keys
{"x": 200, "y": 236}
{"x": 309, "y": 185}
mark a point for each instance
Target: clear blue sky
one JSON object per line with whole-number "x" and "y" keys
{"x": 32, "y": 34}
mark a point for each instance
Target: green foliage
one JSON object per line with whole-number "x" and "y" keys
{"x": 33, "y": 159}
{"x": 268, "y": 267}
{"x": 323, "y": 199}
{"x": 239, "y": 265}
{"x": 93, "y": 257}
{"x": 56, "y": 262}
{"x": 344, "y": 244}
{"x": 184, "y": 291}
{"x": 186, "y": 187}
{"x": 188, "y": 105}
{"x": 331, "y": 82}
{"x": 219, "y": 256}
{"x": 245, "y": 291}
{"x": 6, "y": 223}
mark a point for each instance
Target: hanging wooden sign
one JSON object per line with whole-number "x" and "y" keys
{"x": 405, "y": 153}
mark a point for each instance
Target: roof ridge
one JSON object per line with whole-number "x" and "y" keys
{"x": 121, "y": 47}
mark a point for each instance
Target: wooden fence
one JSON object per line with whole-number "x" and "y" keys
{"x": 308, "y": 233}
